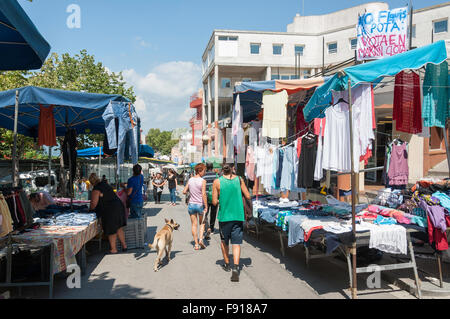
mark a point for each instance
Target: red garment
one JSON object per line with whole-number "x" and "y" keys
{"x": 436, "y": 236}
{"x": 299, "y": 146}
{"x": 301, "y": 124}
{"x": 366, "y": 157}
{"x": 407, "y": 109}
{"x": 47, "y": 128}
{"x": 22, "y": 216}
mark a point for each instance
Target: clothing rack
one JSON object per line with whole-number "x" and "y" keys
{"x": 9, "y": 248}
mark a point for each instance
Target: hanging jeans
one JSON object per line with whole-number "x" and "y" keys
{"x": 173, "y": 196}
{"x": 136, "y": 210}
{"x": 128, "y": 133}
{"x": 288, "y": 169}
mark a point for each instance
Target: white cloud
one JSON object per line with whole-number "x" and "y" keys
{"x": 163, "y": 94}
{"x": 141, "y": 42}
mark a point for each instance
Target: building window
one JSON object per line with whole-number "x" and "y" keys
{"x": 440, "y": 26}
{"x": 299, "y": 49}
{"x": 295, "y": 77}
{"x": 306, "y": 74}
{"x": 285, "y": 77}
{"x": 254, "y": 48}
{"x": 332, "y": 48}
{"x": 225, "y": 83}
{"x": 246, "y": 80}
{"x": 227, "y": 38}
{"x": 277, "y": 49}
{"x": 413, "y": 31}
{"x": 275, "y": 77}
{"x": 353, "y": 43}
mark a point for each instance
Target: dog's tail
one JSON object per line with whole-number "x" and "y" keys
{"x": 155, "y": 243}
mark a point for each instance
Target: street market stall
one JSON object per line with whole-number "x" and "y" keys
{"x": 286, "y": 153}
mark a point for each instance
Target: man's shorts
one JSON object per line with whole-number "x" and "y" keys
{"x": 233, "y": 230}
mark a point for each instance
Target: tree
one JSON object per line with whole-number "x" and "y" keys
{"x": 75, "y": 73}
{"x": 161, "y": 141}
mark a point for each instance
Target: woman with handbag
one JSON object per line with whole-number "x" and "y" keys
{"x": 228, "y": 193}
{"x": 135, "y": 199}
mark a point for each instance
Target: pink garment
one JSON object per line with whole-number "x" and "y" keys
{"x": 123, "y": 197}
{"x": 317, "y": 122}
{"x": 398, "y": 166}
{"x": 195, "y": 190}
{"x": 250, "y": 164}
{"x": 374, "y": 209}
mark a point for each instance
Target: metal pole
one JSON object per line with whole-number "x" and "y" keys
{"x": 446, "y": 129}
{"x": 14, "y": 152}
{"x": 100, "y": 159}
{"x": 410, "y": 23}
{"x": 323, "y": 56}
{"x": 353, "y": 250}
{"x": 49, "y": 167}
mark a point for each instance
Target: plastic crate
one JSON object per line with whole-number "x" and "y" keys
{"x": 134, "y": 233}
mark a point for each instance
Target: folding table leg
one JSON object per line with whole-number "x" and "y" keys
{"x": 306, "y": 255}
{"x": 413, "y": 260}
{"x": 440, "y": 271}
{"x": 283, "y": 251}
{"x": 349, "y": 265}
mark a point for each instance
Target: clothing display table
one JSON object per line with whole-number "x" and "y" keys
{"x": 68, "y": 241}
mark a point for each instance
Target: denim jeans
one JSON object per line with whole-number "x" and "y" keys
{"x": 173, "y": 196}
{"x": 136, "y": 210}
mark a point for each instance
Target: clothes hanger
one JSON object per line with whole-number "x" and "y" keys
{"x": 341, "y": 100}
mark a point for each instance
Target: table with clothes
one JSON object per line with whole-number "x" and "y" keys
{"x": 68, "y": 231}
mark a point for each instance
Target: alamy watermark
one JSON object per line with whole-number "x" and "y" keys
{"x": 74, "y": 19}
{"x": 74, "y": 279}
{"x": 374, "y": 280}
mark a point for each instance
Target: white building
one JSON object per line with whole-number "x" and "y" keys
{"x": 311, "y": 44}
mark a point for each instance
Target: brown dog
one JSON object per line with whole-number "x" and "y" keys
{"x": 163, "y": 241}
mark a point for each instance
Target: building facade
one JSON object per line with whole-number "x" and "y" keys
{"x": 311, "y": 44}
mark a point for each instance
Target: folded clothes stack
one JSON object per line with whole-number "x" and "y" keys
{"x": 68, "y": 219}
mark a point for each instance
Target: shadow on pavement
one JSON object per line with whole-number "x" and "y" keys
{"x": 322, "y": 275}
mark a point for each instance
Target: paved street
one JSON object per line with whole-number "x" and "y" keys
{"x": 197, "y": 274}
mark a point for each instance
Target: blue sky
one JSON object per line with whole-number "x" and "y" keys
{"x": 159, "y": 44}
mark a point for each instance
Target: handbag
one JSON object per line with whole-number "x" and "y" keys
{"x": 248, "y": 207}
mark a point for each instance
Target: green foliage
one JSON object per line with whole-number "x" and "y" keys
{"x": 74, "y": 73}
{"x": 161, "y": 141}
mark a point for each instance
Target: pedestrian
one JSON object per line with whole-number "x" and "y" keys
{"x": 135, "y": 186}
{"x": 211, "y": 214}
{"x": 158, "y": 186}
{"x": 104, "y": 179}
{"x": 227, "y": 193}
{"x": 109, "y": 208}
{"x": 198, "y": 204}
{"x": 173, "y": 183}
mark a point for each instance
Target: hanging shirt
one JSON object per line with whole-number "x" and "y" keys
{"x": 435, "y": 108}
{"x": 275, "y": 114}
{"x": 250, "y": 164}
{"x": 307, "y": 162}
{"x": 398, "y": 166}
{"x": 287, "y": 182}
{"x": 318, "y": 171}
{"x": 267, "y": 168}
{"x": 237, "y": 131}
{"x": 407, "y": 109}
{"x": 47, "y": 127}
{"x": 254, "y": 133}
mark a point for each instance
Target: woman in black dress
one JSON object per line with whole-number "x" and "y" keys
{"x": 109, "y": 208}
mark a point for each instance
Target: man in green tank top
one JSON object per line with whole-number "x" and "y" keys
{"x": 227, "y": 193}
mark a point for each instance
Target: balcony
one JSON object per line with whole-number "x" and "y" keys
{"x": 196, "y": 101}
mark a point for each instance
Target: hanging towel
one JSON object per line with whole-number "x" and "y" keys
{"x": 47, "y": 127}
{"x": 407, "y": 110}
{"x": 388, "y": 238}
{"x": 275, "y": 114}
{"x": 435, "y": 108}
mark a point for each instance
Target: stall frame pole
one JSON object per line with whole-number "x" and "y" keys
{"x": 353, "y": 182}
{"x": 15, "y": 163}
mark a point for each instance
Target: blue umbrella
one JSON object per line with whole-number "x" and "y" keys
{"x": 22, "y": 47}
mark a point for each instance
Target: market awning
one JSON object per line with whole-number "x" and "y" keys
{"x": 144, "y": 151}
{"x": 251, "y": 92}
{"x": 78, "y": 110}
{"x": 22, "y": 47}
{"x": 373, "y": 72}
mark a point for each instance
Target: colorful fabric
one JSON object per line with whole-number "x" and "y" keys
{"x": 47, "y": 127}
{"x": 435, "y": 108}
{"x": 407, "y": 110}
{"x": 68, "y": 241}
